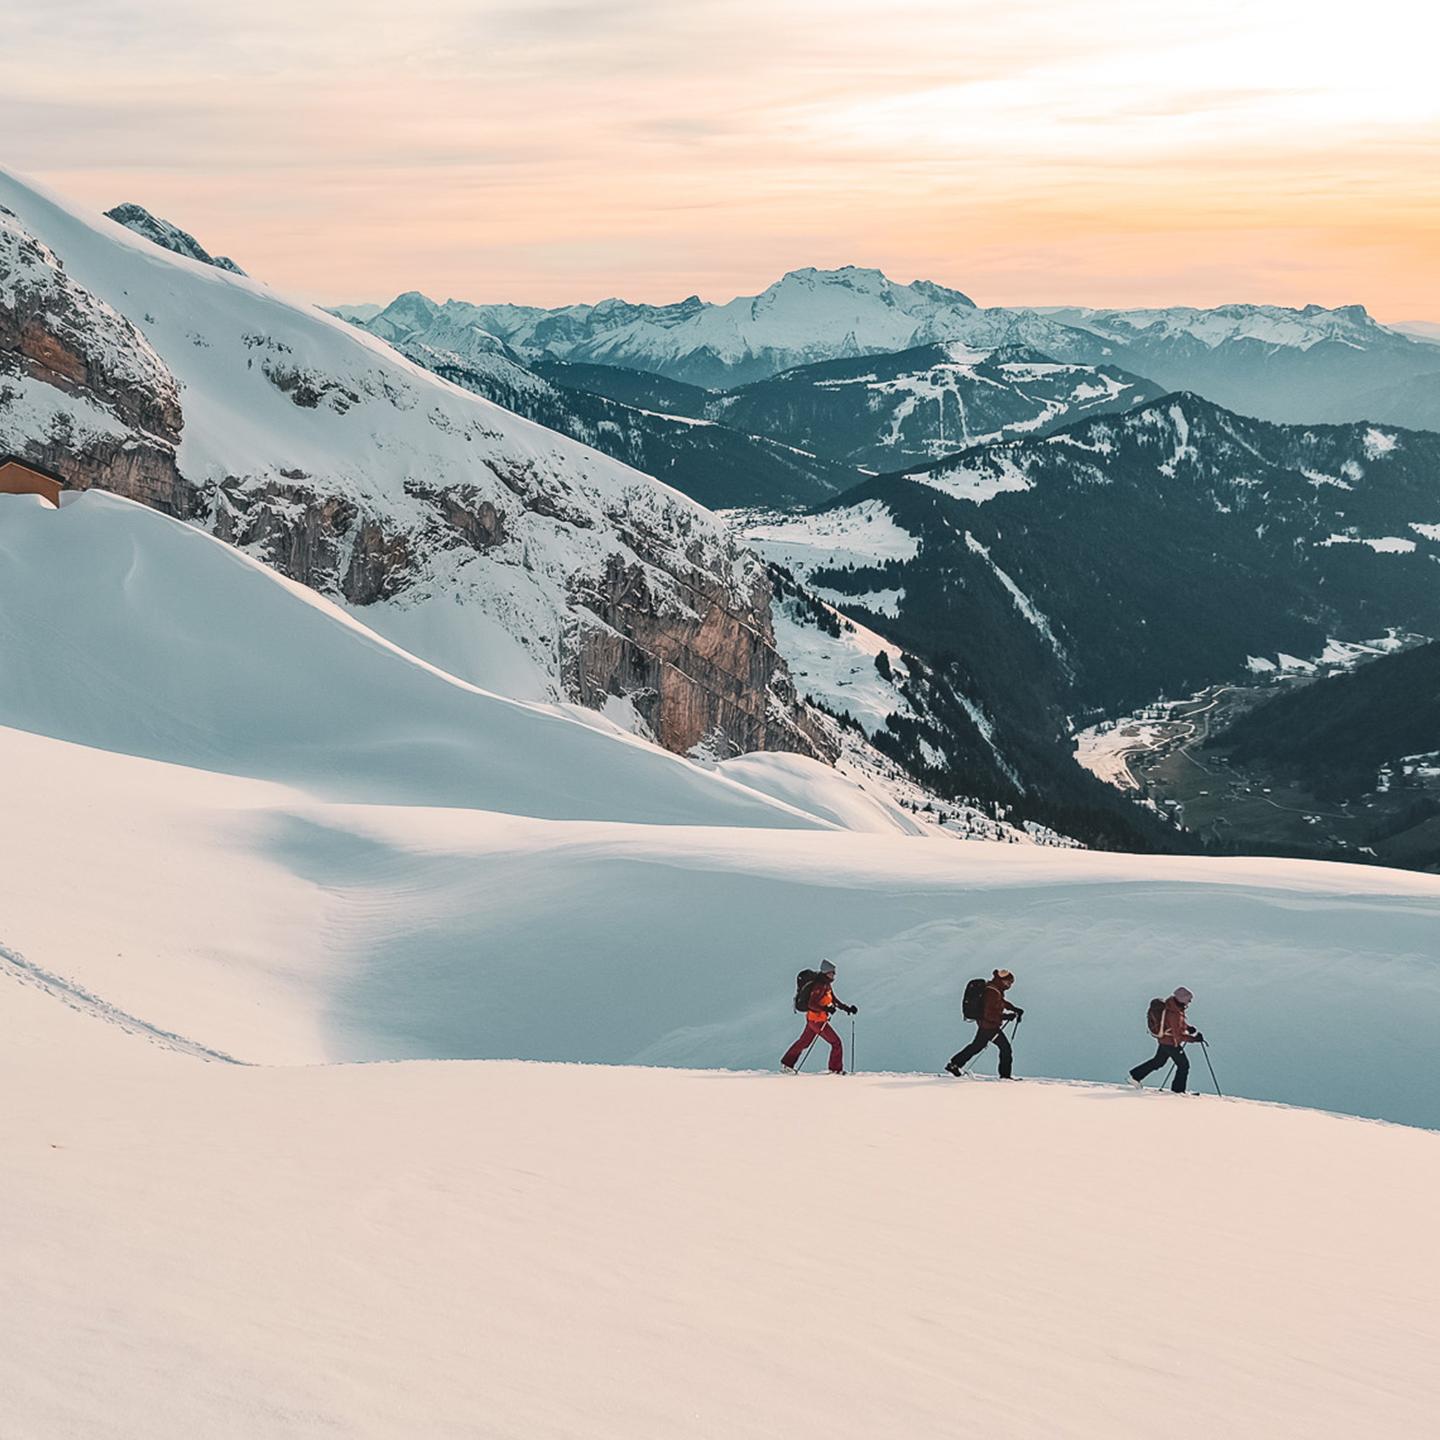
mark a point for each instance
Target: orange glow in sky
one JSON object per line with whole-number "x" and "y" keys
{"x": 1096, "y": 152}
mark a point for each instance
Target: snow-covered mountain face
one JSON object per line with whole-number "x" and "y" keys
{"x": 1115, "y": 561}
{"x": 169, "y": 237}
{"x": 884, "y": 412}
{"x": 805, "y": 317}
{"x": 509, "y": 554}
{"x": 1303, "y": 365}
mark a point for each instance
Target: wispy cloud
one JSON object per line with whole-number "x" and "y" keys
{"x": 552, "y": 150}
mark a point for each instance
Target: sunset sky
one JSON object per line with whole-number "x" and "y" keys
{"x": 546, "y": 151}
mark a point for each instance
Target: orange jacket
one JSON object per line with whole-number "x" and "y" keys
{"x": 821, "y": 995}
{"x": 995, "y": 1008}
{"x": 1175, "y": 1029}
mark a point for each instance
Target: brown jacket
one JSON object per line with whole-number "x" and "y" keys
{"x": 995, "y": 1008}
{"x": 1175, "y": 1029}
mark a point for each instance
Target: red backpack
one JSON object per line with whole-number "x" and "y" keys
{"x": 1155, "y": 1016}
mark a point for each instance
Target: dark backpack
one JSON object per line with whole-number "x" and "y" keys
{"x": 805, "y": 982}
{"x": 1155, "y": 1015}
{"x": 972, "y": 1003}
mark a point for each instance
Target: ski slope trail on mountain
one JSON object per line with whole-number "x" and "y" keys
{"x": 519, "y": 1250}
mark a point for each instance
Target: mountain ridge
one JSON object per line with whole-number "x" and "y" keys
{"x": 498, "y": 549}
{"x": 1285, "y": 363}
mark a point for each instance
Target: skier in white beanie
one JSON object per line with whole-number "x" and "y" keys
{"x": 1172, "y": 1031}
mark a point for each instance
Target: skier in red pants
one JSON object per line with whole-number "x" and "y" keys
{"x": 822, "y": 1005}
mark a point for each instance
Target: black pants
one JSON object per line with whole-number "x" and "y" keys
{"x": 1163, "y": 1056}
{"x": 983, "y": 1036}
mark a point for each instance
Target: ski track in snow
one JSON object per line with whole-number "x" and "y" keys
{"x": 81, "y": 1000}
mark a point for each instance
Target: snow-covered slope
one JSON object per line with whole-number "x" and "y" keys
{"x": 319, "y": 849}
{"x": 494, "y": 546}
{"x": 518, "y": 1251}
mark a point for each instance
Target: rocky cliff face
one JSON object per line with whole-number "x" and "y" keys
{"x": 81, "y": 389}
{"x": 352, "y": 471}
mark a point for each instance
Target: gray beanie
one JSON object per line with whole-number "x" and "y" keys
{"x": 827, "y": 967}
{"x": 1183, "y": 995}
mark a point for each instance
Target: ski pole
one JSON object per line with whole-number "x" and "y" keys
{"x": 1213, "y": 1080}
{"x": 852, "y": 1044}
{"x": 808, "y": 1049}
{"x": 1166, "y": 1076}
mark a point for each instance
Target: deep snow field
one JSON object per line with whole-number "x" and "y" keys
{"x": 238, "y": 825}
{"x": 510, "y": 1250}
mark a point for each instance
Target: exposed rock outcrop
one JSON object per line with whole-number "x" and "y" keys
{"x": 169, "y": 237}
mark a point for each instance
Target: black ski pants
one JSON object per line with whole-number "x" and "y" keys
{"x": 1163, "y": 1056}
{"x": 983, "y": 1036}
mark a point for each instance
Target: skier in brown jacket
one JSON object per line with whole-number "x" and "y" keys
{"x": 1174, "y": 1032}
{"x": 995, "y": 1009}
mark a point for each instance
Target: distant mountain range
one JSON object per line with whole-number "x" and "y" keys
{"x": 1427, "y": 330}
{"x": 805, "y": 317}
{"x": 1295, "y": 365}
{"x": 791, "y": 440}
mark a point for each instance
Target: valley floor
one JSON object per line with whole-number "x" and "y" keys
{"x": 1163, "y": 754}
{"x": 506, "y": 1249}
